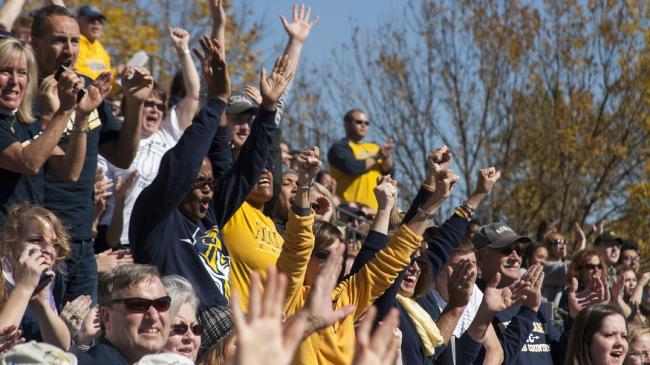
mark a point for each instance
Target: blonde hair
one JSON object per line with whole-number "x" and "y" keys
{"x": 19, "y": 218}
{"x": 10, "y": 50}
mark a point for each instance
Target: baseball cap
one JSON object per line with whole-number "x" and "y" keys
{"x": 239, "y": 103}
{"x": 608, "y": 237}
{"x": 497, "y": 235}
{"x": 217, "y": 325}
{"x": 90, "y": 11}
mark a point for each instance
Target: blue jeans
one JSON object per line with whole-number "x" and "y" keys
{"x": 78, "y": 276}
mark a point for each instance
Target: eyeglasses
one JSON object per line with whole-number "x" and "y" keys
{"x": 201, "y": 182}
{"x": 360, "y": 122}
{"x": 321, "y": 254}
{"x": 640, "y": 354}
{"x": 591, "y": 267}
{"x": 141, "y": 305}
{"x": 558, "y": 242}
{"x": 180, "y": 329}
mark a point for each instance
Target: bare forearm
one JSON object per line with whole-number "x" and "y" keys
{"x": 9, "y": 12}
{"x": 370, "y": 162}
{"x": 37, "y": 152}
{"x": 493, "y": 351}
{"x": 114, "y": 230}
{"x": 475, "y": 200}
{"x": 480, "y": 324}
{"x": 387, "y": 165}
{"x": 187, "y": 108}
{"x": 121, "y": 152}
{"x": 382, "y": 220}
{"x": 421, "y": 219}
{"x": 14, "y": 308}
{"x": 68, "y": 167}
{"x": 448, "y": 320}
{"x": 293, "y": 50}
{"x": 53, "y": 329}
{"x": 302, "y": 197}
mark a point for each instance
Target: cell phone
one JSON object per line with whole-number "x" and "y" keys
{"x": 57, "y": 75}
{"x": 44, "y": 280}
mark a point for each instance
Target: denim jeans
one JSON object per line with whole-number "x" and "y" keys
{"x": 78, "y": 276}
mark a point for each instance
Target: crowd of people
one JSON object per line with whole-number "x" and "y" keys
{"x": 142, "y": 226}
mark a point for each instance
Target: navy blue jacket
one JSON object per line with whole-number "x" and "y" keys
{"x": 162, "y": 236}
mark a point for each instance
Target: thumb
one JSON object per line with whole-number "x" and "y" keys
{"x": 495, "y": 280}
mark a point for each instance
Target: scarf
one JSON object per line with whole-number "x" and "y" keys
{"x": 424, "y": 325}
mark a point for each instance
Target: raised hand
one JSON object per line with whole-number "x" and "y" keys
{"x": 386, "y": 149}
{"x": 260, "y": 331}
{"x": 309, "y": 164}
{"x": 534, "y": 277}
{"x": 74, "y": 313}
{"x": 95, "y": 93}
{"x": 271, "y": 87}
{"x": 253, "y": 93}
{"x": 300, "y": 25}
{"x": 496, "y": 300}
{"x": 217, "y": 11}
{"x": 180, "y": 38}
{"x": 445, "y": 182}
{"x": 30, "y": 265}
{"x": 380, "y": 348}
{"x": 486, "y": 180}
{"x": 48, "y": 96}
{"x": 579, "y": 300}
{"x": 318, "y": 312}
{"x": 68, "y": 88}
{"x": 461, "y": 283}
{"x": 123, "y": 186}
{"x": 213, "y": 64}
{"x": 137, "y": 84}
{"x": 10, "y": 337}
{"x": 386, "y": 192}
{"x": 109, "y": 259}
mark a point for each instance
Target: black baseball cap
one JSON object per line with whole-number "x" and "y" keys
{"x": 608, "y": 237}
{"x": 497, "y": 235}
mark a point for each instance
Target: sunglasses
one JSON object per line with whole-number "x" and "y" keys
{"x": 420, "y": 259}
{"x": 321, "y": 254}
{"x": 201, "y": 182}
{"x": 180, "y": 329}
{"x": 152, "y": 104}
{"x": 591, "y": 266}
{"x": 141, "y": 305}
{"x": 507, "y": 251}
{"x": 558, "y": 242}
{"x": 360, "y": 122}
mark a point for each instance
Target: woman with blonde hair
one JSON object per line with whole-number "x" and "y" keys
{"x": 24, "y": 147}
{"x": 33, "y": 242}
{"x": 639, "y": 351}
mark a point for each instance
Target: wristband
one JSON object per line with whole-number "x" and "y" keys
{"x": 77, "y": 130}
{"x": 427, "y": 214}
{"x": 184, "y": 51}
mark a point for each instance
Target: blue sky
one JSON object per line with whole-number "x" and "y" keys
{"x": 336, "y": 20}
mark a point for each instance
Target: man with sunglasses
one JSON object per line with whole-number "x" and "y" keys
{"x": 526, "y": 334}
{"x": 134, "y": 314}
{"x": 356, "y": 164}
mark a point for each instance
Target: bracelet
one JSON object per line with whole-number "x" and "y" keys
{"x": 185, "y": 51}
{"x": 465, "y": 205}
{"x": 77, "y": 130}
{"x": 305, "y": 187}
{"x": 427, "y": 214}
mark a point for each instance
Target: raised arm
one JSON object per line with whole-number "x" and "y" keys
{"x": 9, "y": 12}
{"x": 180, "y": 165}
{"x": 29, "y": 159}
{"x": 237, "y": 183}
{"x": 298, "y": 31}
{"x": 299, "y": 238}
{"x": 187, "y": 107}
{"x": 218, "y": 22}
{"x": 137, "y": 86}
{"x": 67, "y": 166}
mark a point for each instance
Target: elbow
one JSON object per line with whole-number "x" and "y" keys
{"x": 123, "y": 161}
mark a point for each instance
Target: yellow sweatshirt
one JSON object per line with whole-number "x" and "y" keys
{"x": 254, "y": 244}
{"x": 359, "y": 188}
{"x": 335, "y": 344}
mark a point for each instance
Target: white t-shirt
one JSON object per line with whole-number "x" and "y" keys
{"x": 146, "y": 162}
{"x": 469, "y": 313}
